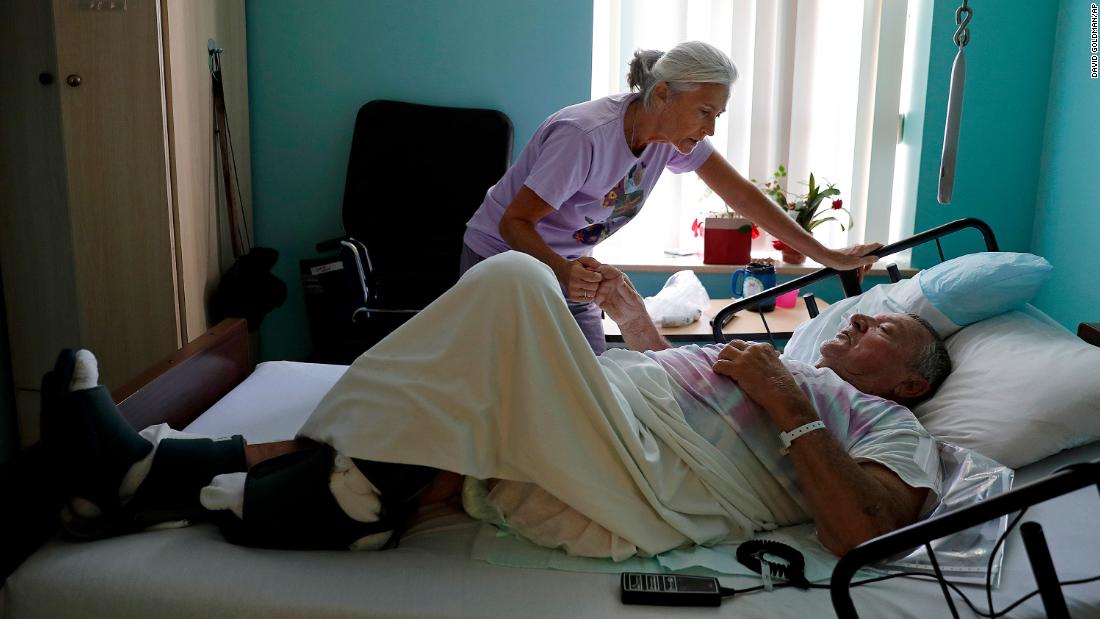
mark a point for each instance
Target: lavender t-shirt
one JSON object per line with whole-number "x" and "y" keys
{"x": 578, "y": 161}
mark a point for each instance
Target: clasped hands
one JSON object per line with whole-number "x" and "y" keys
{"x": 589, "y": 281}
{"x": 583, "y": 281}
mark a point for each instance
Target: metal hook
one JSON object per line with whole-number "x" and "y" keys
{"x": 963, "y": 14}
{"x": 215, "y": 58}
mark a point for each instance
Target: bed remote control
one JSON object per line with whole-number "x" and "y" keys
{"x": 670, "y": 590}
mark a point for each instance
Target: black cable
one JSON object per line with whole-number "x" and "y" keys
{"x": 991, "y": 614}
{"x": 942, "y": 580}
{"x": 767, "y": 328}
{"x": 726, "y": 592}
{"x": 244, "y": 232}
{"x": 1011, "y": 607}
{"x": 993, "y": 555}
{"x": 249, "y": 239}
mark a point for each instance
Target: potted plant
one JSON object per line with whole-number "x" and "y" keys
{"x": 727, "y": 237}
{"x": 809, "y": 210}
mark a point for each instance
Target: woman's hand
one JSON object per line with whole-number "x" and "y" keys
{"x": 851, "y": 258}
{"x": 581, "y": 279}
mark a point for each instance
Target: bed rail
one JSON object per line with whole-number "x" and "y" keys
{"x": 902, "y": 541}
{"x": 848, "y": 279}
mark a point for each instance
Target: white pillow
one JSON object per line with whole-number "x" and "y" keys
{"x": 1022, "y": 388}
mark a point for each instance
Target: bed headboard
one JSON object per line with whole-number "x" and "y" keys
{"x": 180, "y": 387}
{"x": 1090, "y": 332}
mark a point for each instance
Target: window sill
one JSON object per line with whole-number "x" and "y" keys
{"x": 655, "y": 261}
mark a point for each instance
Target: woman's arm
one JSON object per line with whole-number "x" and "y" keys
{"x": 750, "y": 202}
{"x": 517, "y": 227}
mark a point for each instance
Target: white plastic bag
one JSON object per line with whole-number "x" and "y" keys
{"x": 680, "y": 302}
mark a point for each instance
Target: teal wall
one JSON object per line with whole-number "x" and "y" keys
{"x": 1003, "y": 118}
{"x": 313, "y": 64}
{"x": 1067, "y": 216}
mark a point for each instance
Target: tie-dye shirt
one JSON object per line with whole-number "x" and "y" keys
{"x": 579, "y": 163}
{"x": 868, "y": 427}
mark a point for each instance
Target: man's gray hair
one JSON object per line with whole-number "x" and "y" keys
{"x": 684, "y": 67}
{"x": 932, "y": 361}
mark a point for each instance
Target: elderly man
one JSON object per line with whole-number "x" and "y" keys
{"x": 635, "y": 452}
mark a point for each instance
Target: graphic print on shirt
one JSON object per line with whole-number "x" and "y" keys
{"x": 625, "y": 200}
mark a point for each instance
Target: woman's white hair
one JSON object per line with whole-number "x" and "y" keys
{"x": 684, "y": 67}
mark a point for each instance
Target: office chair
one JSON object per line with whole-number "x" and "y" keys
{"x": 416, "y": 174}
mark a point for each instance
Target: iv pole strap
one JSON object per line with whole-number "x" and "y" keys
{"x": 951, "y": 130}
{"x": 954, "y": 106}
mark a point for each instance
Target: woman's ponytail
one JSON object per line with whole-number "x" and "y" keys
{"x": 640, "y": 77}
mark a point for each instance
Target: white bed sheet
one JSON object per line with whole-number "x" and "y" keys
{"x": 194, "y": 572}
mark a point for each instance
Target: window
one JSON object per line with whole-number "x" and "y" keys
{"x": 825, "y": 86}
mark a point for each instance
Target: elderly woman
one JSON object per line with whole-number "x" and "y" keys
{"x": 589, "y": 168}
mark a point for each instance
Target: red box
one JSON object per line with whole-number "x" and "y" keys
{"x": 727, "y": 240}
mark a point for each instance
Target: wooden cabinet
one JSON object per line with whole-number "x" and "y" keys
{"x": 109, "y": 233}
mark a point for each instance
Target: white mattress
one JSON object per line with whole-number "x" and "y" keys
{"x": 194, "y": 572}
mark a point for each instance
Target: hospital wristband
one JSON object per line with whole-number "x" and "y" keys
{"x": 788, "y": 437}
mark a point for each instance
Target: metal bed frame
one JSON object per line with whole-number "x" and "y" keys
{"x": 848, "y": 279}
{"x": 904, "y": 540}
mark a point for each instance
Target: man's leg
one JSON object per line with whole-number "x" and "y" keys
{"x": 298, "y": 494}
{"x": 101, "y": 458}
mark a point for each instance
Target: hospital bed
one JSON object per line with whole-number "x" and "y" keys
{"x": 209, "y": 387}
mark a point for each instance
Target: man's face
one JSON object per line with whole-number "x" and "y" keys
{"x": 875, "y": 355}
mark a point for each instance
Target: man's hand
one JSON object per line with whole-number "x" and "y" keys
{"x": 762, "y": 376}
{"x": 617, "y": 297}
{"x": 622, "y": 303}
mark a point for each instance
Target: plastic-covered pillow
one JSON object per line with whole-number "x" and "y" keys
{"x": 949, "y": 295}
{"x": 1022, "y": 388}
{"x": 979, "y": 286}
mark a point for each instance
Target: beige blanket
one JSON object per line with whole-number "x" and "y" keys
{"x": 495, "y": 380}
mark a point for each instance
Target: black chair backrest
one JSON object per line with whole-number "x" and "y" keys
{"x": 416, "y": 175}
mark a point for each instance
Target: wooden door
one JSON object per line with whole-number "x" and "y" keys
{"x": 120, "y": 213}
{"x": 86, "y": 232}
{"x": 35, "y": 248}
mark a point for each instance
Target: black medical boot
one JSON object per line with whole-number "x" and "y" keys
{"x": 91, "y": 446}
{"x": 181, "y": 468}
{"x": 289, "y": 504}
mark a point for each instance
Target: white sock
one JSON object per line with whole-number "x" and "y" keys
{"x": 353, "y": 491}
{"x": 225, "y": 491}
{"x": 85, "y": 371}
